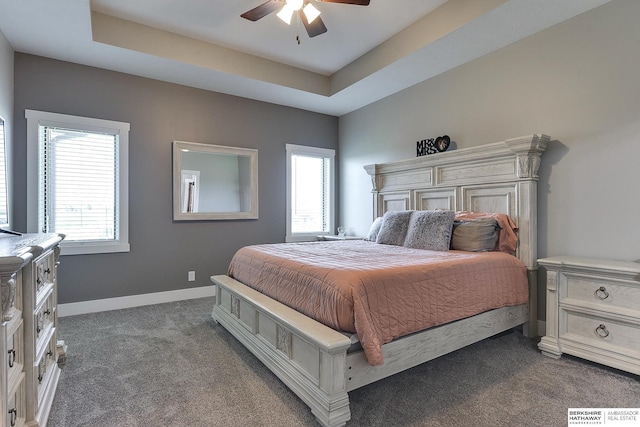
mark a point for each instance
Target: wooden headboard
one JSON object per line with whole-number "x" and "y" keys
{"x": 501, "y": 177}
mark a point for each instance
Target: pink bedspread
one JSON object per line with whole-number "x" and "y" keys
{"x": 381, "y": 292}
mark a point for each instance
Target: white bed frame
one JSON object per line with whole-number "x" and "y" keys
{"x": 312, "y": 359}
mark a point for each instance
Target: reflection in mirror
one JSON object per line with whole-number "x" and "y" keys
{"x": 214, "y": 182}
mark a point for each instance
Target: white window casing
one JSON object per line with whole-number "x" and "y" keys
{"x": 95, "y": 152}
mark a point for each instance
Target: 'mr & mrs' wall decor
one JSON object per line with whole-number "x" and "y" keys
{"x": 432, "y": 145}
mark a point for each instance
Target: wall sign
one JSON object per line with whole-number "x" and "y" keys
{"x": 432, "y": 145}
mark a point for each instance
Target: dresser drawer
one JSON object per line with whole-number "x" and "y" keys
{"x": 16, "y": 405}
{"x": 601, "y": 332}
{"x": 600, "y": 293}
{"x": 15, "y": 355}
{"x": 43, "y": 319}
{"x": 44, "y": 273}
{"x": 44, "y": 369}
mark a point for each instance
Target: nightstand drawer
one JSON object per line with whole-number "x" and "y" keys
{"x": 600, "y": 293}
{"x": 602, "y": 333}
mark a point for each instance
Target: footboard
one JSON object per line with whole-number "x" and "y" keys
{"x": 309, "y": 357}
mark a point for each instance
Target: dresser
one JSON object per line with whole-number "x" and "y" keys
{"x": 29, "y": 349}
{"x": 593, "y": 311}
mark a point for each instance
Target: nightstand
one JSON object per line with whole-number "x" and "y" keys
{"x": 593, "y": 311}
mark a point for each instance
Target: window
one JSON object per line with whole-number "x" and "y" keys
{"x": 310, "y": 192}
{"x": 77, "y": 181}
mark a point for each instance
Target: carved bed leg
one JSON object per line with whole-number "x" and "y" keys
{"x": 334, "y": 410}
{"x": 530, "y": 329}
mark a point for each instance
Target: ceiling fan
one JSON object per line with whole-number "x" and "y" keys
{"x": 308, "y": 13}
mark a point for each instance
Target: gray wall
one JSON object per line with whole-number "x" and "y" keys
{"x": 162, "y": 251}
{"x": 577, "y": 82}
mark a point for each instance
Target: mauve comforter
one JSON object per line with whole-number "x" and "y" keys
{"x": 381, "y": 292}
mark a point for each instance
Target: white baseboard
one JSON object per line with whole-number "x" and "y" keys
{"x": 95, "y": 306}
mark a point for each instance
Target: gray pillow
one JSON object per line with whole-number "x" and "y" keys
{"x": 372, "y": 235}
{"x": 477, "y": 235}
{"x": 394, "y": 228}
{"x": 430, "y": 230}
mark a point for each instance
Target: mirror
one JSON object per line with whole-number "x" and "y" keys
{"x": 4, "y": 205}
{"x": 213, "y": 182}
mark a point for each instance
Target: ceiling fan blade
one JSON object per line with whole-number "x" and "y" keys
{"x": 263, "y": 10}
{"x": 315, "y": 28}
{"x": 356, "y": 2}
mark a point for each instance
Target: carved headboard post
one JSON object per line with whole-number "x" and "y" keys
{"x": 501, "y": 177}
{"x": 528, "y": 151}
{"x": 373, "y": 174}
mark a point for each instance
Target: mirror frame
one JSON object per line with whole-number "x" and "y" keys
{"x": 179, "y": 147}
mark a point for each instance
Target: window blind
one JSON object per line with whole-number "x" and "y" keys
{"x": 78, "y": 184}
{"x": 310, "y": 194}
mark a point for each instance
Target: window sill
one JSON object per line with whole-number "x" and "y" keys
{"x": 301, "y": 238}
{"x": 95, "y": 248}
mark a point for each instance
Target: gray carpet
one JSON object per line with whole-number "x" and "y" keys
{"x": 170, "y": 365}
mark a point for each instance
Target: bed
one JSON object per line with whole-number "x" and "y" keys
{"x": 321, "y": 364}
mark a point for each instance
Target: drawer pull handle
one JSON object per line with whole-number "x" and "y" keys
{"x": 48, "y": 312}
{"x": 13, "y": 416}
{"x": 12, "y": 357}
{"x": 48, "y": 270}
{"x": 601, "y": 293}
{"x": 50, "y": 353}
{"x": 602, "y": 331}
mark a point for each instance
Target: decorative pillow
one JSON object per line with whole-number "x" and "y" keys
{"x": 430, "y": 230}
{"x": 508, "y": 235}
{"x": 394, "y": 228}
{"x": 476, "y": 235}
{"x": 372, "y": 235}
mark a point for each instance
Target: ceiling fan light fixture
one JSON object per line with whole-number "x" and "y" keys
{"x": 286, "y": 13}
{"x": 311, "y": 12}
{"x": 295, "y": 4}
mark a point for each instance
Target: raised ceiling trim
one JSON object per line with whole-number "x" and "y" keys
{"x": 142, "y": 38}
{"x": 449, "y": 17}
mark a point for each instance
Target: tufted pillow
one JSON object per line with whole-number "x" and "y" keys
{"x": 430, "y": 230}
{"x": 394, "y": 228}
{"x": 372, "y": 235}
{"x": 477, "y": 235}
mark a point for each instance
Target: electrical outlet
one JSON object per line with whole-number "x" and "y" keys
{"x": 192, "y": 276}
